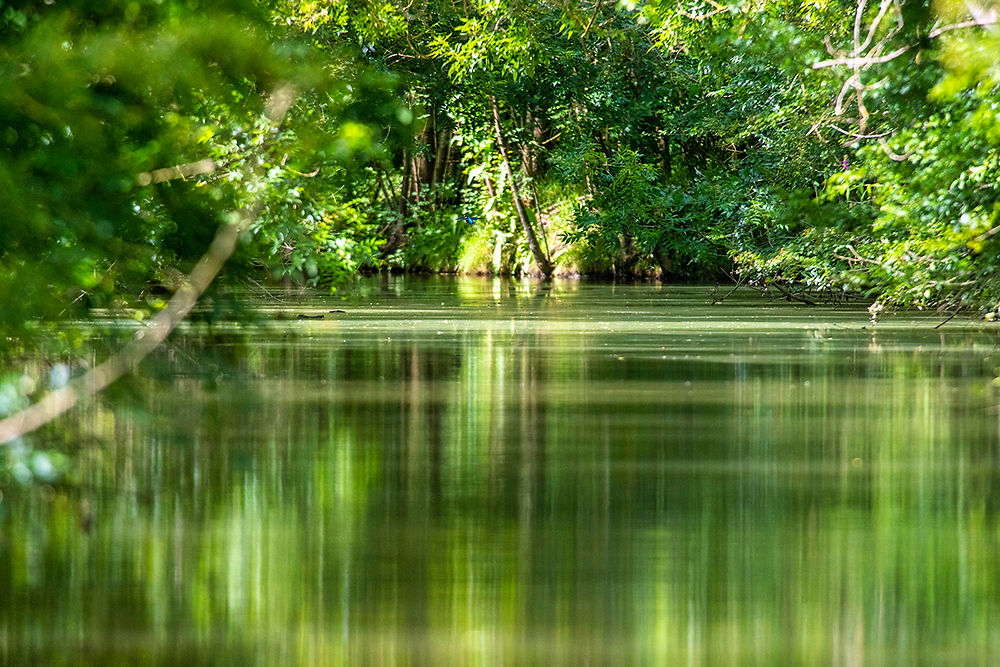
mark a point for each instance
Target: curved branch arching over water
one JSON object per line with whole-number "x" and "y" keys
{"x": 61, "y": 400}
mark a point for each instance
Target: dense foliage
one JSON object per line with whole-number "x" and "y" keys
{"x": 825, "y": 144}
{"x": 831, "y": 146}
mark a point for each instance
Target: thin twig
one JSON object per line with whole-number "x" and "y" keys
{"x": 974, "y": 23}
{"x": 792, "y": 296}
{"x": 953, "y": 316}
{"x": 739, "y": 284}
{"x": 891, "y": 153}
{"x": 863, "y": 60}
{"x": 859, "y": 136}
{"x": 586, "y": 31}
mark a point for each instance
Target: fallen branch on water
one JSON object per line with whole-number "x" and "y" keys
{"x": 792, "y": 296}
{"x": 739, "y": 283}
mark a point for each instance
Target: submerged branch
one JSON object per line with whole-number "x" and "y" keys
{"x": 739, "y": 283}
{"x": 949, "y": 319}
{"x": 792, "y": 296}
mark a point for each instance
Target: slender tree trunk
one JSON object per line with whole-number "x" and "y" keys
{"x": 543, "y": 263}
{"x": 449, "y": 166}
{"x": 414, "y": 168}
{"x": 527, "y": 158}
{"x": 540, "y": 216}
{"x": 441, "y": 157}
{"x": 662, "y": 256}
{"x": 539, "y": 131}
{"x": 395, "y": 236}
{"x": 421, "y": 162}
{"x": 586, "y": 168}
{"x": 383, "y": 188}
{"x": 665, "y": 165}
{"x": 404, "y": 187}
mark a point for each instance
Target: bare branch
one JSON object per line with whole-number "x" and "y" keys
{"x": 187, "y": 170}
{"x": 892, "y": 154}
{"x": 873, "y": 58}
{"x": 859, "y": 136}
{"x": 883, "y": 8}
{"x": 859, "y": 258}
{"x": 63, "y": 399}
{"x": 699, "y": 17}
{"x": 590, "y": 24}
{"x": 862, "y": 4}
{"x": 871, "y": 51}
{"x": 989, "y": 20}
{"x": 852, "y": 83}
{"x": 312, "y": 174}
{"x": 863, "y": 60}
{"x": 829, "y": 46}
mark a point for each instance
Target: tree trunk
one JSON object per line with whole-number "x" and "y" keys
{"x": 665, "y": 166}
{"x": 662, "y": 256}
{"x": 415, "y": 169}
{"x": 627, "y": 258}
{"x": 449, "y": 162}
{"x": 539, "y": 130}
{"x": 586, "y": 168}
{"x": 395, "y": 236}
{"x": 421, "y": 163}
{"x": 404, "y": 187}
{"x": 543, "y": 263}
{"x": 441, "y": 157}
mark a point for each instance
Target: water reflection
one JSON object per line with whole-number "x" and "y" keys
{"x": 471, "y": 471}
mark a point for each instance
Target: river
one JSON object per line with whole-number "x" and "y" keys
{"x": 474, "y": 471}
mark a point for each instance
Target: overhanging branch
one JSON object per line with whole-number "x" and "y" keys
{"x": 870, "y": 51}
{"x": 61, "y": 400}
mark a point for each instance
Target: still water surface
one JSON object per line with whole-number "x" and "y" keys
{"x": 470, "y": 471}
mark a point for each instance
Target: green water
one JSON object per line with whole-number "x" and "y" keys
{"x": 479, "y": 472}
